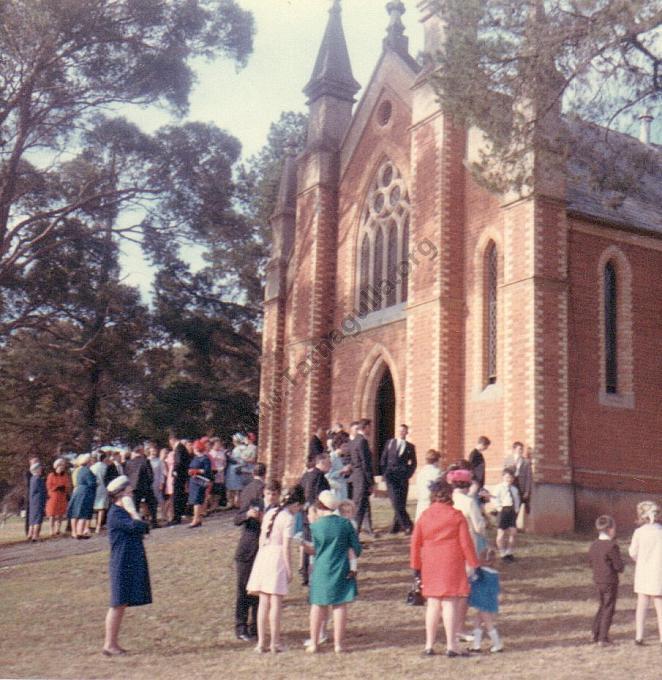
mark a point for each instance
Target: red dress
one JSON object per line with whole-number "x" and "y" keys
{"x": 58, "y": 488}
{"x": 440, "y": 547}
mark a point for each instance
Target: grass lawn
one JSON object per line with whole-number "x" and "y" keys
{"x": 52, "y": 619}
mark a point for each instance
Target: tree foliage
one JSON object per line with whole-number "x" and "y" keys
{"x": 506, "y": 65}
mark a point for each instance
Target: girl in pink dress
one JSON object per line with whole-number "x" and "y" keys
{"x": 272, "y": 569}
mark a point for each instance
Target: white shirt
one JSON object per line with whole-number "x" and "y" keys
{"x": 506, "y": 496}
{"x": 424, "y": 477}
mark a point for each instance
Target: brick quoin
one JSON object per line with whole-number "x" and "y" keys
{"x": 591, "y": 452}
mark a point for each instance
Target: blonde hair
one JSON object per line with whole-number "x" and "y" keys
{"x": 347, "y": 508}
{"x": 647, "y": 511}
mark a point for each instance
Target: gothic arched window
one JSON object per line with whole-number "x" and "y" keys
{"x": 490, "y": 297}
{"x": 611, "y": 329}
{"x": 383, "y": 239}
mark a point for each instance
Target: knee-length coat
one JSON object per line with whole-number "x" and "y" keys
{"x": 441, "y": 546}
{"x": 197, "y": 484}
{"x": 37, "y": 500}
{"x": 81, "y": 505}
{"x": 129, "y": 573}
{"x": 58, "y": 486}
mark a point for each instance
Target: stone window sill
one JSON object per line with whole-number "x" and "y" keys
{"x": 617, "y": 400}
{"x": 383, "y": 316}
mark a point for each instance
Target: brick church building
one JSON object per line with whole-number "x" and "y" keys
{"x": 400, "y": 290}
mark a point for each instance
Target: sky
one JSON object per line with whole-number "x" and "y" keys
{"x": 246, "y": 102}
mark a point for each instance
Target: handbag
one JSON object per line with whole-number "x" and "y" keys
{"x": 415, "y": 596}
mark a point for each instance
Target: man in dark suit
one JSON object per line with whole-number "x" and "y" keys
{"x": 361, "y": 478}
{"x": 313, "y": 481}
{"x": 398, "y": 464}
{"x": 114, "y": 469}
{"x": 477, "y": 460}
{"x": 248, "y": 517}
{"x": 316, "y": 443}
{"x": 180, "y": 477}
{"x": 139, "y": 471}
{"x": 521, "y": 464}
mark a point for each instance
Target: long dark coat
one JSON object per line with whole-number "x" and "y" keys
{"x": 129, "y": 573}
{"x": 37, "y": 500}
{"x": 81, "y": 505}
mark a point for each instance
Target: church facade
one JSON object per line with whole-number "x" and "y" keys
{"x": 400, "y": 290}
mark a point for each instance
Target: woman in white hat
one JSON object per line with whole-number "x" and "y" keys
{"x": 128, "y": 569}
{"x": 81, "y": 505}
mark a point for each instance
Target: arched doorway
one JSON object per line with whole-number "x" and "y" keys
{"x": 384, "y": 417}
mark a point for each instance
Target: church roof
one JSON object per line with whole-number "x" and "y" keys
{"x": 332, "y": 74}
{"x": 614, "y": 178}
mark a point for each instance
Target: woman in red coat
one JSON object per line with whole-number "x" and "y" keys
{"x": 441, "y": 548}
{"x": 58, "y": 486}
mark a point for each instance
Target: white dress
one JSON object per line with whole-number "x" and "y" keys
{"x": 269, "y": 574}
{"x": 101, "y": 495}
{"x": 425, "y": 476}
{"x": 646, "y": 550}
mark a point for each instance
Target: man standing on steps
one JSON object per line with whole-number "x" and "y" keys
{"x": 248, "y": 517}
{"x": 398, "y": 464}
{"x": 477, "y": 460}
{"x": 361, "y": 478}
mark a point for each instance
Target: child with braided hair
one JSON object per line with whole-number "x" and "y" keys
{"x": 272, "y": 569}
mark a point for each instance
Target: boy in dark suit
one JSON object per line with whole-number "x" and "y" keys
{"x": 605, "y": 559}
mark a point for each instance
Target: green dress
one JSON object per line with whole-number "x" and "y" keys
{"x": 333, "y": 536}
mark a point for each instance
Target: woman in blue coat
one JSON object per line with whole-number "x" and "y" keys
{"x": 128, "y": 570}
{"x": 81, "y": 505}
{"x": 37, "y": 502}
{"x": 200, "y": 476}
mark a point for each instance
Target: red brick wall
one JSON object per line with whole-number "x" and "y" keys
{"x": 615, "y": 447}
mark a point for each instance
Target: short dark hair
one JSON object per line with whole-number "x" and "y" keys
{"x": 403, "y": 425}
{"x": 259, "y": 470}
{"x": 485, "y": 441}
{"x": 432, "y": 456}
{"x": 516, "y": 444}
{"x": 339, "y": 439}
{"x": 441, "y": 492}
{"x": 273, "y": 485}
{"x": 364, "y": 422}
{"x": 604, "y": 522}
{"x": 509, "y": 471}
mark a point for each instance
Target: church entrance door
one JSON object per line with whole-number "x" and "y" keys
{"x": 384, "y": 415}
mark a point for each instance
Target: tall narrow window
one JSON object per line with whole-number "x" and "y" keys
{"x": 611, "y": 326}
{"x": 405, "y": 259}
{"x": 385, "y": 223}
{"x": 364, "y": 306}
{"x": 391, "y": 266}
{"x": 491, "y": 313}
{"x": 378, "y": 271}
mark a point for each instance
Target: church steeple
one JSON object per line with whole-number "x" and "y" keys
{"x": 283, "y": 217}
{"x": 396, "y": 39}
{"x": 332, "y": 74}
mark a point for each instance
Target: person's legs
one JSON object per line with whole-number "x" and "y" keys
{"x": 262, "y": 621}
{"x": 609, "y": 595}
{"x": 197, "y": 515}
{"x": 500, "y": 542}
{"x": 597, "y": 619}
{"x": 275, "y": 609}
{"x": 449, "y": 615}
{"x": 393, "y": 497}
{"x": 462, "y": 608}
{"x": 339, "y": 627}
{"x": 640, "y": 616}
{"x": 657, "y": 601}
{"x": 432, "y": 614}
{"x": 100, "y": 516}
{"x": 317, "y": 616}
{"x": 113, "y": 622}
{"x": 242, "y": 601}
{"x": 36, "y": 532}
{"x": 51, "y": 525}
{"x": 512, "y": 534}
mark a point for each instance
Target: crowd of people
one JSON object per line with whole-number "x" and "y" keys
{"x": 323, "y": 515}
{"x": 190, "y": 477}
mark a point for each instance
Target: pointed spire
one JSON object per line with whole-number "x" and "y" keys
{"x": 396, "y": 39}
{"x": 332, "y": 74}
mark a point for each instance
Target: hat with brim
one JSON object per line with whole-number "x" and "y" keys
{"x": 35, "y": 466}
{"x": 329, "y": 500}
{"x": 118, "y": 484}
{"x": 59, "y": 462}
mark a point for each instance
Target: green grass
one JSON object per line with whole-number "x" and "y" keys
{"x": 52, "y": 619}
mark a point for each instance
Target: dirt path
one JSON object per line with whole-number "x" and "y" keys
{"x": 15, "y": 554}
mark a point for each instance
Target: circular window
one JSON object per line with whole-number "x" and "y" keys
{"x": 379, "y": 202}
{"x": 394, "y": 197}
{"x": 384, "y": 112}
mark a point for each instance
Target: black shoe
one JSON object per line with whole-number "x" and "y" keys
{"x": 174, "y": 522}
{"x": 639, "y": 643}
{"x": 428, "y": 652}
{"x": 245, "y": 637}
{"x": 453, "y": 655}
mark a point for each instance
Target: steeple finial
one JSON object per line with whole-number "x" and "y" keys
{"x": 332, "y": 74}
{"x": 396, "y": 39}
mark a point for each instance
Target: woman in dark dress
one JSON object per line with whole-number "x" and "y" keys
{"x": 200, "y": 476}
{"x": 37, "y": 502}
{"x": 81, "y": 505}
{"x": 128, "y": 570}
